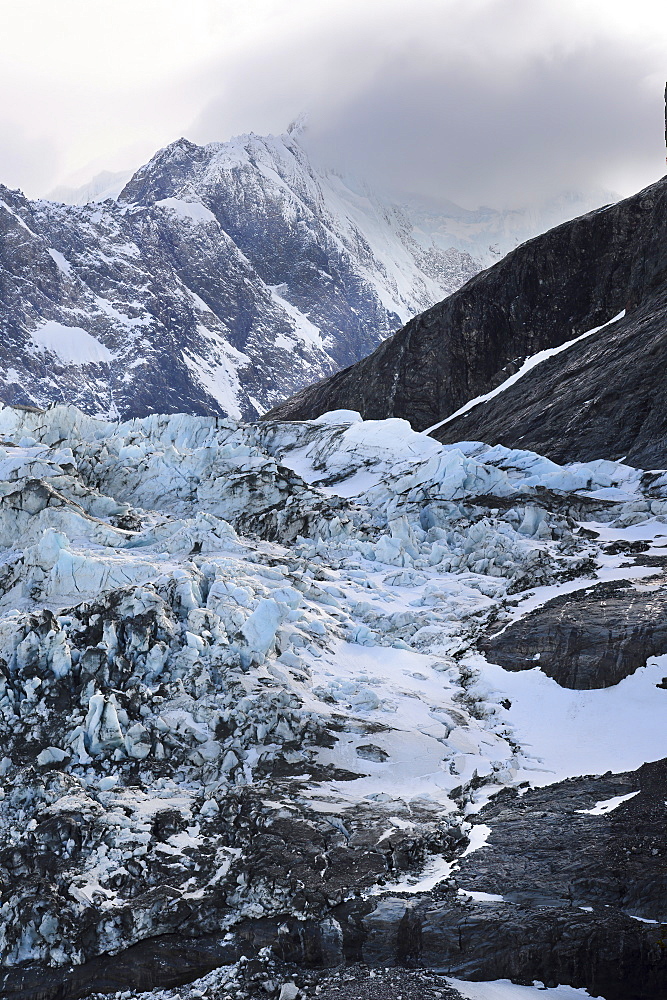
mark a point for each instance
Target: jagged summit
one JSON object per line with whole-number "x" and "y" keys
{"x": 222, "y": 278}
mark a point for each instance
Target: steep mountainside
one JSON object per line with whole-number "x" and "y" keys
{"x": 224, "y": 278}
{"x": 604, "y": 396}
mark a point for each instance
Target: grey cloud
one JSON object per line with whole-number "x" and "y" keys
{"x": 446, "y": 118}
{"x": 26, "y": 161}
{"x": 479, "y": 101}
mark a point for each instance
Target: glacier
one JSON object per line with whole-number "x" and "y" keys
{"x": 222, "y": 639}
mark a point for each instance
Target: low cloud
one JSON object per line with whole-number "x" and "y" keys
{"x": 27, "y": 161}
{"x": 488, "y": 106}
{"x": 495, "y": 102}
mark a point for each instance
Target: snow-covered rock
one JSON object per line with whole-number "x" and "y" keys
{"x": 220, "y": 280}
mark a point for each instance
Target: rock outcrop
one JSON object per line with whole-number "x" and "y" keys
{"x": 589, "y": 639}
{"x": 603, "y": 397}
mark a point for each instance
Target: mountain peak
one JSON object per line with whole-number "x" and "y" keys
{"x": 157, "y": 178}
{"x": 299, "y": 124}
{"x": 239, "y": 275}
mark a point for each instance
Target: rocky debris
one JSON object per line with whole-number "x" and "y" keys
{"x": 360, "y": 983}
{"x": 602, "y": 397}
{"x": 266, "y": 977}
{"x": 569, "y": 886}
{"x": 589, "y": 639}
{"x": 263, "y": 275}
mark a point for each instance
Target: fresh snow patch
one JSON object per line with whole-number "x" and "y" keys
{"x": 528, "y": 365}
{"x": 302, "y": 327}
{"x": 482, "y": 897}
{"x": 479, "y": 835}
{"x": 646, "y": 531}
{"x": 72, "y": 345}
{"x": 258, "y": 406}
{"x": 191, "y": 210}
{"x": 120, "y": 317}
{"x": 608, "y": 805}
{"x": 566, "y": 733}
{"x": 217, "y": 373}
{"x": 435, "y": 871}
{"x": 401, "y": 690}
{"x": 63, "y": 264}
{"x": 199, "y": 302}
{"x": 503, "y": 989}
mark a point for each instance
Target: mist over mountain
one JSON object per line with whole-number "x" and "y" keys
{"x": 106, "y": 184}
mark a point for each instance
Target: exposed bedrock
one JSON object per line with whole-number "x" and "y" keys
{"x": 542, "y": 295}
{"x": 587, "y": 639}
{"x": 265, "y": 274}
{"x": 570, "y": 887}
{"x": 605, "y": 395}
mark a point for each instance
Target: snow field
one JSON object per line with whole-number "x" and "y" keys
{"x": 503, "y": 989}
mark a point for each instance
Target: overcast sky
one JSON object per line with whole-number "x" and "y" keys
{"x": 494, "y": 102}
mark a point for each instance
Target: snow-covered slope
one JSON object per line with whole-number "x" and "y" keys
{"x": 490, "y": 233}
{"x": 247, "y": 697}
{"x": 224, "y": 278}
{"x": 107, "y": 184}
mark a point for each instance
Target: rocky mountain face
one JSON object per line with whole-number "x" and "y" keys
{"x": 222, "y": 279}
{"x": 602, "y": 396}
{"x": 326, "y": 708}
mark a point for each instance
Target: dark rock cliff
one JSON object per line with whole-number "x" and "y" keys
{"x": 589, "y": 639}
{"x": 603, "y": 397}
{"x": 600, "y": 398}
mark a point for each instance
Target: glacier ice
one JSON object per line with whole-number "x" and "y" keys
{"x": 211, "y": 628}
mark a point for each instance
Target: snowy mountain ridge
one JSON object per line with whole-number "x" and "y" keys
{"x": 222, "y": 279}
{"x": 106, "y": 184}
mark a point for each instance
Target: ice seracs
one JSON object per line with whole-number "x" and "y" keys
{"x": 240, "y": 674}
